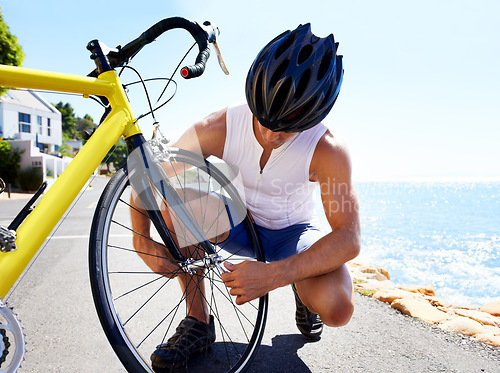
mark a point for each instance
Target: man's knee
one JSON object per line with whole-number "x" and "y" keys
{"x": 339, "y": 314}
{"x": 331, "y": 296}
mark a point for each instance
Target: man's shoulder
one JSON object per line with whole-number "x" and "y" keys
{"x": 215, "y": 124}
{"x": 238, "y": 112}
{"x": 211, "y": 133}
{"x": 330, "y": 155}
{"x": 330, "y": 144}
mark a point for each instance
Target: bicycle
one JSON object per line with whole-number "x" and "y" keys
{"x": 137, "y": 308}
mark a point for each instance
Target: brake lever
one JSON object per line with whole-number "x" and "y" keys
{"x": 219, "y": 58}
{"x": 212, "y": 32}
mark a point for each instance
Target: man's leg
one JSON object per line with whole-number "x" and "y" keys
{"x": 196, "y": 331}
{"x": 211, "y": 216}
{"x": 330, "y": 295}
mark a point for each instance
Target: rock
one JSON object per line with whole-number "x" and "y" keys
{"x": 384, "y": 272}
{"x": 437, "y": 302}
{"x": 425, "y": 290}
{"x": 492, "y": 330}
{"x": 368, "y": 271}
{"x": 373, "y": 284}
{"x": 491, "y": 308}
{"x": 479, "y": 316}
{"x": 420, "y": 309}
{"x": 463, "y": 325}
{"x": 489, "y": 339}
{"x": 421, "y": 302}
{"x": 390, "y": 295}
{"x": 462, "y": 307}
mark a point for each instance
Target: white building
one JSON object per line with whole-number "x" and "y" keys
{"x": 34, "y": 126}
{"x": 24, "y": 115}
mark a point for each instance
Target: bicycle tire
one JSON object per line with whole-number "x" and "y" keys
{"x": 130, "y": 299}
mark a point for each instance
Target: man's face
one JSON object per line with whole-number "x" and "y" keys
{"x": 274, "y": 139}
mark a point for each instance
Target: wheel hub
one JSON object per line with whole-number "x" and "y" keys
{"x": 209, "y": 261}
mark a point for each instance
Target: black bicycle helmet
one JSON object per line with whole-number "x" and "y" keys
{"x": 294, "y": 81}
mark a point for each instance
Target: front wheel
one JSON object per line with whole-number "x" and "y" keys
{"x": 140, "y": 309}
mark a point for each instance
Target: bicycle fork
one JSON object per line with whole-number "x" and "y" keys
{"x": 148, "y": 172}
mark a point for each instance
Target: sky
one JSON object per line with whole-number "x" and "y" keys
{"x": 421, "y": 92}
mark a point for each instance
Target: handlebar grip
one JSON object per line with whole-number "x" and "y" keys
{"x": 196, "y": 31}
{"x": 194, "y": 71}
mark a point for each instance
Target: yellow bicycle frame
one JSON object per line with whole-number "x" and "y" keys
{"x": 41, "y": 221}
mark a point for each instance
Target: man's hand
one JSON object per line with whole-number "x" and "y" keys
{"x": 249, "y": 280}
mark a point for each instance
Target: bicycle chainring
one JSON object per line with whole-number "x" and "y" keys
{"x": 4, "y": 346}
{"x": 12, "y": 344}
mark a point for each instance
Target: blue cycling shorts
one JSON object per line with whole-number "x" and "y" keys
{"x": 277, "y": 243}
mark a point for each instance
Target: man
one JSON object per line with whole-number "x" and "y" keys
{"x": 283, "y": 152}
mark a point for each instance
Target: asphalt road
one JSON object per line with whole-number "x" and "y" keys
{"x": 55, "y": 306}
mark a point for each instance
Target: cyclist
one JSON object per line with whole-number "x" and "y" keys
{"x": 283, "y": 152}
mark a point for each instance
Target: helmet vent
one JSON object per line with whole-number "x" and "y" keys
{"x": 325, "y": 64}
{"x": 330, "y": 89}
{"x": 258, "y": 93}
{"x": 281, "y": 97}
{"x": 302, "y": 84}
{"x": 279, "y": 72}
{"x": 289, "y": 40}
{"x": 309, "y": 105}
{"x": 304, "y": 54}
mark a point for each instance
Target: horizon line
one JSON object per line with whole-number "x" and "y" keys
{"x": 426, "y": 179}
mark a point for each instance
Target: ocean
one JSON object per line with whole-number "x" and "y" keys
{"x": 442, "y": 234}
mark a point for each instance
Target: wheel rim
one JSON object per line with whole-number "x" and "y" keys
{"x": 146, "y": 307}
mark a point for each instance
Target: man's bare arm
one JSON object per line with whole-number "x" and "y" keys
{"x": 331, "y": 167}
{"x": 206, "y": 137}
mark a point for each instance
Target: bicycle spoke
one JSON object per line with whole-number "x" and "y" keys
{"x": 135, "y": 289}
{"x": 137, "y": 251}
{"x": 147, "y": 305}
{"x": 223, "y": 332}
{"x": 161, "y": 322}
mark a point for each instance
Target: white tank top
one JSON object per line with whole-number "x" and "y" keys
{"x": 281, "y": 195}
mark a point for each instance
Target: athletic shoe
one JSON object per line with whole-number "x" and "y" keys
{"x": 308, "y": 323}
{"x": 191, "y": 337}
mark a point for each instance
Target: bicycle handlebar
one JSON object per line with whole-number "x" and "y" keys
{"x": 201, "y": 34}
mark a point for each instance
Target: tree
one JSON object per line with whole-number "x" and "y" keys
{"x": 84, "y": 124}
{"x": 65, "y": 150}
{"x": 73, "y": 126}
{"x": 9, "y": 162}
{"x": 11, "y": 52}
{"x": 69, "y": 120}
{"x": 117, "y": 155}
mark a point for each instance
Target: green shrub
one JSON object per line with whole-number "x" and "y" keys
{"x": 30, "y": 178}
{"x": 9, "y": 162}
